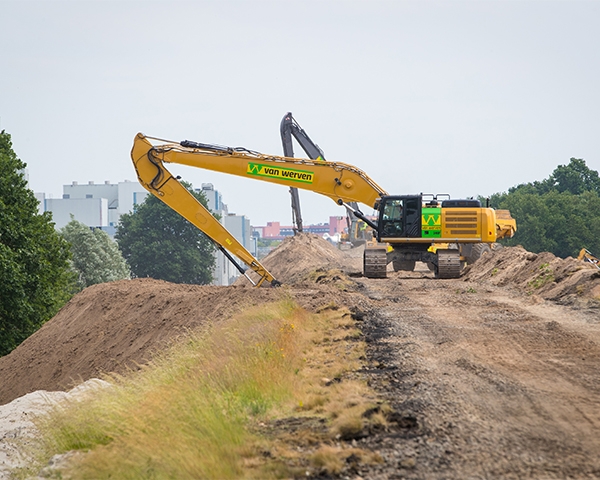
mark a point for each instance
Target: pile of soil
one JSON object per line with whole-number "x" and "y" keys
{"x": 116, "y": 326}
{"x": 484, "y": 378}
{"x": 297, "y": 256}
{"x": 567, "y": 281}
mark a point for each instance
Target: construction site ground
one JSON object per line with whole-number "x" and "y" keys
{"x": 493, "y": 375}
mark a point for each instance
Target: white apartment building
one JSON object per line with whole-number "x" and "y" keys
{"x": 97, "y": 205}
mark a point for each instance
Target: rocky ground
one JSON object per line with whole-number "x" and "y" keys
{"x": 494, "y": 375}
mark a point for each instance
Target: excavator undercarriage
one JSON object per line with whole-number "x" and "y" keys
{"x": 446, "y": 263}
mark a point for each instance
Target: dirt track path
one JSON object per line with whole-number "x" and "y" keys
{"x": 489, "y": 383}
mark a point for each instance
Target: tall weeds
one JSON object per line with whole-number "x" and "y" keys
{"x": 185, "y": 415}
{"x": 195, "y": 410}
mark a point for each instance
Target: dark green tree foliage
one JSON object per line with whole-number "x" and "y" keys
{"x": 96, "y": 258}
{"x": 159, "y": 243}
{"x": 575, "y": 178}
{"x": 35, "y": 279}
{"x": 560, "y": 214}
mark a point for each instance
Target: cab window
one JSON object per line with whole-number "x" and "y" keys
{"x": 393, "y": 212}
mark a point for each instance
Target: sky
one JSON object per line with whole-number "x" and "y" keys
{"x": 459, "y": 97}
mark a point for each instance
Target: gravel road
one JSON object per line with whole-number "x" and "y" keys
{"x": 486, "y": 382}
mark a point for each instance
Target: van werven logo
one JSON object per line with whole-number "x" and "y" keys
{"x": 431, "y": 221}
{"x": 261, "y": 170}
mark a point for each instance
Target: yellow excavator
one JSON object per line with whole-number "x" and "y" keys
{"x": 586, "y": 256}
{"x": 409, "y": 224}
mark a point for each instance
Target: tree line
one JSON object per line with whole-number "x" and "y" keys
{"x": 560, "y": 214}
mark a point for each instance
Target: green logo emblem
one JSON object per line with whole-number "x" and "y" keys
{"x": 270, "y": 171}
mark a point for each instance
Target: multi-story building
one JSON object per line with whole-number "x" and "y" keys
{"x": 239, "y": 225}
{"x": 98, "y": 205}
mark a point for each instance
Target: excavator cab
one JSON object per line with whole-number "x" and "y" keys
{"x": 399, "y": 217}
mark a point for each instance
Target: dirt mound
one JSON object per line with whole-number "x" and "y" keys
{"x": 117, "y": 326}
{"x": 567, "y": 281}
{"x": 113, "y": 327}
{"x": 301, "y": 254}
{"x": 454, "y": 363}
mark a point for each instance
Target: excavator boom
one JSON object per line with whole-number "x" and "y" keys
{"x": 158, "y": 180}
{"x": 341, "y": 182}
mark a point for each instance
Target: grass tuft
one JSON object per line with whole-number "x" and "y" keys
{"x": 186, "y": 414}
{"x": 329, "y": 459}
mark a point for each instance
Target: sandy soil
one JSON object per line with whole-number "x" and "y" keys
{"x": 496, "y": 384}
{"x": 17, "y": 428}
{"x": 114, "y": 327}
{"x": 494, "y": 375}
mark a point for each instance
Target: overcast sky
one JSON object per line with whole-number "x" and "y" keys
{"x": 460, "y": 97}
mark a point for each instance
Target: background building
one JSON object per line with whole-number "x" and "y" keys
{"x": 275, "y": 231}
{"x": 238, "y": 225}
{"x": 98, "y": 205}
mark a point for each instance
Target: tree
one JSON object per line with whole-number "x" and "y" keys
{"x": 96, "y": 258}
{"x": 159, "y": 243}
{"x": 35, "y": 279}
{"x": 575, "y": 178}
{"x": 560, "y": 214}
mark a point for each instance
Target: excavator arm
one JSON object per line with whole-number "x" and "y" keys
{"x": 158, "y": 180}
{"x": 290, "y": 127}
{"x": 341, "y": 182}
{"x": 404, "y": 222}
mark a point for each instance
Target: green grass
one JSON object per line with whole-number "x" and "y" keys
{"x": 185, "y": 415}
{"x": 194, "y": 411}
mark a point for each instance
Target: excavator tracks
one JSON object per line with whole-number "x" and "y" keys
{"x": 375, "y": 262}
{"x": 448, "y": 264}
